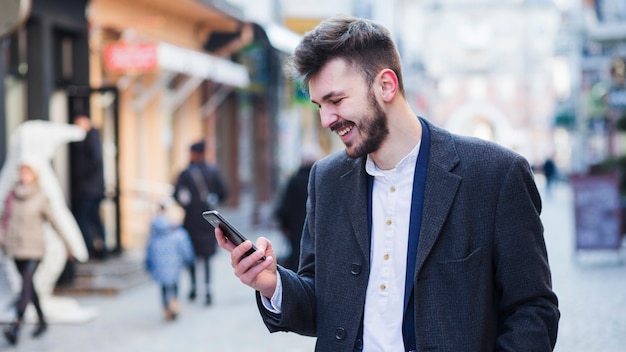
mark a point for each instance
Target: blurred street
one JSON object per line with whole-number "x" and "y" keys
{"x": 591, "y": 286}
{"x": 591, "y": 289}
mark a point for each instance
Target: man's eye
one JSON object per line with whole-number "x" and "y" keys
{"x": 337, "y": 101}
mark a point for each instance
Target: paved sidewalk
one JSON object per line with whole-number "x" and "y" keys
{"x": 133, "y": 321}
{"x": 591, "y": 286}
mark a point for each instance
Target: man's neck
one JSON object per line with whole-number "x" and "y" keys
{"x": 405, "y": 131}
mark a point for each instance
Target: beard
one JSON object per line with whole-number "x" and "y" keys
{"x": 373, "y": 128}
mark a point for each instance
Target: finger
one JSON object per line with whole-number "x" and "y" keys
{"x": 222, "y": 241}
{"x": 241, "y": 264}
{"x": 264, "y": 243}
{"x": 249, "y": 277}
{"x": 237, "y": 253}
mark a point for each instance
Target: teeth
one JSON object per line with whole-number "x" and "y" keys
{"x": 344, "y": 131}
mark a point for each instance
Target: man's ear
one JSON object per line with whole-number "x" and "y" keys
{"x": 388, "y": 83}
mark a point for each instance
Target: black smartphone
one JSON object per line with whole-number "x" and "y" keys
{"x": 217, "y": 220}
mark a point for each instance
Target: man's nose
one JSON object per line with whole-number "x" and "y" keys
{"x": 327, "y": 117}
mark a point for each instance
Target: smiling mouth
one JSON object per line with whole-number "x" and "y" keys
{"x": 343, "y": 131}
{"x": 343, "y": 128}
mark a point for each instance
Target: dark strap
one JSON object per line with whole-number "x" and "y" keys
{"x": 200, "y": 183}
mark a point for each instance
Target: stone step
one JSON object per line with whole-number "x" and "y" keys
{"x": 105, "y": 277}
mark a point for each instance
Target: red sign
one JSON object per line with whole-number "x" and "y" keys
{"x": 130, "y": 57}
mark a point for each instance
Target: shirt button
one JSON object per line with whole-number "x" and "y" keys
{"x": 388, "y": 222}
{"x": 386, "y": 256}
{"x": 392, "y": 189}
{"x": 383, "y": 287}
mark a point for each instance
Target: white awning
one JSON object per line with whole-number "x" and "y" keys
{"x": 281, "y": 38}
{"x": 169, "y": 60}
{"x": 197, "y": 64}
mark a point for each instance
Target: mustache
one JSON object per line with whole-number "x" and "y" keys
{"x": 340, "y": 125}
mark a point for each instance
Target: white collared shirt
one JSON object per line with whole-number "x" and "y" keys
{"x": 391, "y": 213}
{"x": 384, "y": 299}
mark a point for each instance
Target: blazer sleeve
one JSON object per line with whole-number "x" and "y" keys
{"x": 299, "y": 300}
{"x": 528, "y": 308}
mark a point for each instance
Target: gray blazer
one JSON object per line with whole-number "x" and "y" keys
{"x": 482, "y": 280}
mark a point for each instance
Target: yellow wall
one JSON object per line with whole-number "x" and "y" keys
{"x": 153, "y": 150}
{"x": 153, "y": 139}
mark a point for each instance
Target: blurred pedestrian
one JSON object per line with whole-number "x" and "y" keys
{"x": 169, "y": 250}
{"x": 291, "y": 210}
{"x": 200, "y": 187}
{"x": 87, "y": 176}
{"x": 416, "y": 239}
{"x": 27, "y": 211}
{"x": 550, "y": 173}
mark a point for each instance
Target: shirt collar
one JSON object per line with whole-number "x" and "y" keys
{"x": 409, "y": 160}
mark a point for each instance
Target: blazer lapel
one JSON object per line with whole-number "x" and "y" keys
{"x": 357, "y": 194}
{"x": 441, "y": 188}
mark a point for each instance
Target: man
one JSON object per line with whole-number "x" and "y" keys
{"x": 199, "y": 188}
{"x": 549, "y": 171}
{"x": 87, "y": 172}
{"x": 291, "y": 210}
{"x": 416, "y": 239}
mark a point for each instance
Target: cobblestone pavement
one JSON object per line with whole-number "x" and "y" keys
{"x": 591, "y": 289}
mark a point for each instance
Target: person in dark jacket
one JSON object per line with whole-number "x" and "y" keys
{"x": 549, "y": 171}
{"x": 200, "y": 187}
{"x": 291, "y": 210}
{"x": 87, "y": 175}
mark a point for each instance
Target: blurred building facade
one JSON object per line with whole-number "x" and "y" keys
{"x": 158, "y": 75}
{"x": 155, "y": 77}
{"x": 598, "y": 65}
{"x": 161, "y": 77}
{"x": 297, "y": 120}
{"x": 40, "y": 61}
{"x": 488, "y": 67}
{"x": 477, "y": 67}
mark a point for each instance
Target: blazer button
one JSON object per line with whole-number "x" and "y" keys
{"x": 355, "y": 269}
{"x": 340, "y": 333}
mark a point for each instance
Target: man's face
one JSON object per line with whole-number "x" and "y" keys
{"x": 348, "y": 106}
{"x": 196, "y": 157}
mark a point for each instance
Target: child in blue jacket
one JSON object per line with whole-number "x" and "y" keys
{"x": 169, "y": 250}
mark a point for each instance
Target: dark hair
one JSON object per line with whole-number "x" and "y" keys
{"x": 198, "y": 147}
{"x": 360, "y": 42}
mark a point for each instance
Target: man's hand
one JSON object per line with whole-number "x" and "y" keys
{"x": 252, "y": 270}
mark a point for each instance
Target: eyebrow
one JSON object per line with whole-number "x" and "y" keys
{"x": 327, "y": 96}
